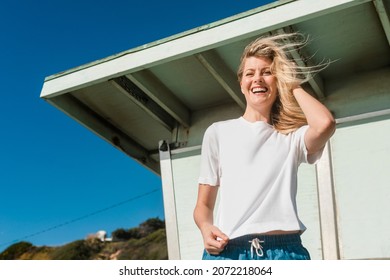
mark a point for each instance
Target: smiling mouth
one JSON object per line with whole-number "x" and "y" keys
{"x": 259, "y": 90}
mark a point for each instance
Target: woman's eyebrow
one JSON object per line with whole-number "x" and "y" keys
{"x": 262, "y": 68}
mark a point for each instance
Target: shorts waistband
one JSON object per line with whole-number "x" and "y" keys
{"x": 267, "y": 240}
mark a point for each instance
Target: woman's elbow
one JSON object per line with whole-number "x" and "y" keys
{"x": 330, "y": 125}
{"x": 326, "y": 126}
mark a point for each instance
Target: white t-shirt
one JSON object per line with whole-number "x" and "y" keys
{"x": 255, "y": 168}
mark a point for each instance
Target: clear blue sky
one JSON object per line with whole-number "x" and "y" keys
{"x": 59, "y": 182}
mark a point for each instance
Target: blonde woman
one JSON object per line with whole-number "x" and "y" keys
{"x": 252, "y": 161}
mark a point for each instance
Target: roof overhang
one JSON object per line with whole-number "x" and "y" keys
{"x": 157, "y": 91}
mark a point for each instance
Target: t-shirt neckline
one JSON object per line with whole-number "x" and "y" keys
{"x": 254, "y": 124}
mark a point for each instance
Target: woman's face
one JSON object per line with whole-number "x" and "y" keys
{"x": 258, "y": 84}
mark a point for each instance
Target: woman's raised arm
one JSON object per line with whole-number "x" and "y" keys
{"x": 320, "y": 120}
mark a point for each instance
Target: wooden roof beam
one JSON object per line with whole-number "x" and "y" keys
{"x": 226, "y": 78}
{"x": 135, "y": 94}
{"x": 161, "y": 95}
{"x": 384, "y": 17}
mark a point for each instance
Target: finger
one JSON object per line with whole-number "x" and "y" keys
{"x": 212, "y": 243}
{"x": 213, "y": 250}
{"x": 222, "y": 238}
{"x": 214, "y": 246}
{"x": 219, "y": 235}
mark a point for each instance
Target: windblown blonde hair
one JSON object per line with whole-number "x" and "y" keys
{"x": 286, "y": 115}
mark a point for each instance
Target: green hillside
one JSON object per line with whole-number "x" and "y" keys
{"x": 146, "y": 242}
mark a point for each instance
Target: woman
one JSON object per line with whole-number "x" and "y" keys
{"x": 252, "y": 161}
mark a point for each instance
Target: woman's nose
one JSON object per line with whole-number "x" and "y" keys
{"x": 258, "y": 77}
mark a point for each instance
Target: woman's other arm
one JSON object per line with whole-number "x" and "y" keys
{"x": 214, "y": 240}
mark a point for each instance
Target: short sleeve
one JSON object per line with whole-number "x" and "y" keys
{"x": 299, "y": 139}
{"x": 209, "y": 169}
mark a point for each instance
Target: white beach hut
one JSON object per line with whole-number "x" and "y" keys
{"x": 155, "y": 102}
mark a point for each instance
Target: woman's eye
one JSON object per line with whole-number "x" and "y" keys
{"x": 267, "y": 73}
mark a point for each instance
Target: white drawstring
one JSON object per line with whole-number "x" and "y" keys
{"x": 255, "y": 243}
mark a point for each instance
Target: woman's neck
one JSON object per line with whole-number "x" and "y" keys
{"x": 254, "y": 116}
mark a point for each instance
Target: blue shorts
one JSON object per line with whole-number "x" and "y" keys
{"x": 262, "y": 247}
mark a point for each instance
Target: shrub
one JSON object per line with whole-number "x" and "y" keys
{"x": 77, "y": 250}
{"x": 152, "y": 247}
{"x": 123, "y": 234}
{"x": 144, "y": 229}
{"x": 150, "y": 226}
{"x": 14, "y": 251}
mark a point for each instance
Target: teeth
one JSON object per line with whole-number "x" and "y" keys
{"x": 259, "y": 90}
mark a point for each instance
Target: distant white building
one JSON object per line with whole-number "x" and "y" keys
{"x": 100, "y": 235}
{"x": 155, "y": 102}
